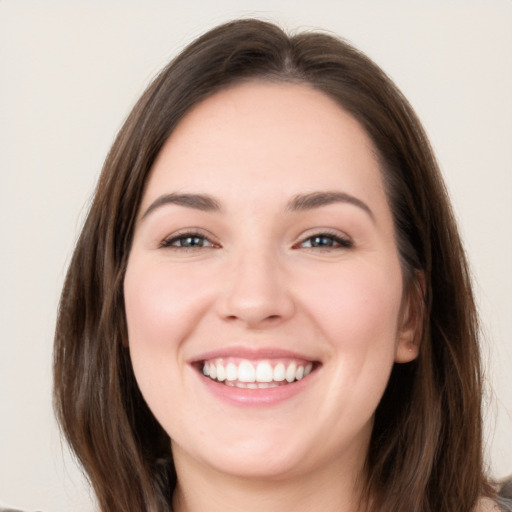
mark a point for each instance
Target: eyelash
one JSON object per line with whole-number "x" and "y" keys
{"x": 337, "y": 241}
{"x": 169, "y": 242}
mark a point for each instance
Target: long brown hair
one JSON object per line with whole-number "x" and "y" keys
{"x": 426, "y": 451}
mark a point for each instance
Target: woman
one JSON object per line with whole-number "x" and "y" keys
{"x": 269, "y": 305}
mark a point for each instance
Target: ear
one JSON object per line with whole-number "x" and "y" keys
{"x": 411, "y": 321}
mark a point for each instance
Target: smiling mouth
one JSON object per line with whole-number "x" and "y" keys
{"x": 245, "y": 373}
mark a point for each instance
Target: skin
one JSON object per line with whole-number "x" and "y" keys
{"x": 257, "y": 279}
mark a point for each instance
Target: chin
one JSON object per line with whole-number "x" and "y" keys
{"x": 255, "y": 458}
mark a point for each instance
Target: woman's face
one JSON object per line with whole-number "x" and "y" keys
{"x": 264, "y": 257}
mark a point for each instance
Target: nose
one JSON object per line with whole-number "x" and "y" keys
{"x": 256, "y": 291}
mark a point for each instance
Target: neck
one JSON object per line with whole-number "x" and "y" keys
{"x": 335, "y": 488}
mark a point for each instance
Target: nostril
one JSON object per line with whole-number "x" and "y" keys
{"x": 267, "y": 319}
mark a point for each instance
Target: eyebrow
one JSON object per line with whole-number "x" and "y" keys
{"x": 301, "y": 202}
{"x": 201, "y": 202}
{"x": 313, "y": 200}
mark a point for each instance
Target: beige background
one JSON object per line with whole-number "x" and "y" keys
{"x": 70, "y": 72}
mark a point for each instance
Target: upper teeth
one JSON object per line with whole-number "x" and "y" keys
{"x": 250, "y": 371}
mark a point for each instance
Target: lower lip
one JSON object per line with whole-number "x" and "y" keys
{"x": 255, "y": 397}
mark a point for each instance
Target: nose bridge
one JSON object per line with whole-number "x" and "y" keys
{"x": 256, "y": 290}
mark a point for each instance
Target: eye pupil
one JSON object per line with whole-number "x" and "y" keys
{"x": 192, "y": 241}
{"x": 322, "y": 241}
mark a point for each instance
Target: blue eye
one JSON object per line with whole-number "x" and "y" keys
{"x": 187, "y": 241}
{"x": 326, "y": 241}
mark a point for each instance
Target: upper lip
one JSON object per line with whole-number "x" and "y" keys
{"x": 250, "y": 353}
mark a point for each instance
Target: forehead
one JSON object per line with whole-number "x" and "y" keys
{"x": 255, "y": 135}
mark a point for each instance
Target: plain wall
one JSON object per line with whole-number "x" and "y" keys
{"x": 71, "y": 71}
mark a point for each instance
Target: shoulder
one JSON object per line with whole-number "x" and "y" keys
{"x": 505, "y": 488}
{"x": 504, "y": 497}
{"x": 503, "y": 501}
{"x": 487, "y": 505}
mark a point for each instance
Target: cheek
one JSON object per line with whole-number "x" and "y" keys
{"x": 162, "y": 308}
{"x": 357, "y": 311}
{"x": 358, "y": 306}
{"x": 160, "y": 302}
